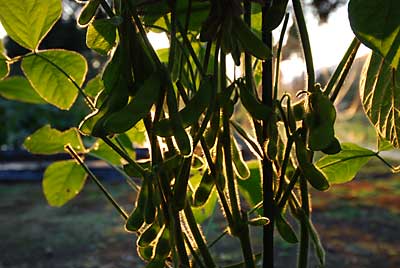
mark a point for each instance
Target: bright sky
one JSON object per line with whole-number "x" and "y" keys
{"x": 329, "y": 42}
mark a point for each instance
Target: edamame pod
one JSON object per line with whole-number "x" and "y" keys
{"x": 249, "y": 40}
{"x": 192, "y": 111}
{"x": 314, "y": 175}
{"x": 204, "y": 189}
{"x": 149, "y": 235}
{"x": 136, "y": 219}
{"x": 88, "y": 12}
{"x": 275, "y": 14}
{"x": 240, "y": 166}
{"x": 181, "y": 138}
{"x": 137, "y": 108}
{"x": 146, "y": 253}
{"x": 163, "y": 247}
{"x": 256, "y": 109}
{"x": 284, "y": 229}
{"x": 333, "y": 148}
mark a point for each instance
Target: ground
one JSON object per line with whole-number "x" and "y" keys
{"x": 359, "y": 223}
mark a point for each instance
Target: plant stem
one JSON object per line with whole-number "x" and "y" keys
{"x": 266, "y": 165}
{"x": 304, "y": 232}
{"x": 301, "y": 23}
{"x": 205, "y": 253}
{"x": 74, "y": 155}
{"x": 355, "y": 44}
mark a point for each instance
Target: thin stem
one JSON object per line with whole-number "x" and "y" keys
{"x": 304, "y": 232}
{"x": 107, "y": 8}
{"x": 74, "y": 155}
{"x": 301, "y": 23}
{"x": 355, "y": 44}
{"x": 285, "y": 162}
{"x": 346, "y": 70}
{"x": 218, "y": 238}
{"x": 193, "y": 252}
{"x": 208, "y": 260}
{"x": 267, "y": 171}
{"x": 278, "y": 55}
{"x": 125, "y": 156}
{"x": 289, "y": 189}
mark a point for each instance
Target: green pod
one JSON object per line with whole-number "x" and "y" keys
{"x": 137, "y": 217}
{"x": 156, "y": 263}
{"x": 273, "y": 135}
{"x": 275, "y": 14}
{"x": 313, "y": 174}
{"x": 211, "y": 132}
{"x": 181, "y": 185}
{"x": 146, "y": 253}
{"x": 298, "y": 110}
{"x": 321, "y": 137}
{"x": 88, "y": 12}
{"x": 162, "y": 247}
{"x": 259, "y": 221}
{"x": 138, "y": 107}
{"x": 249, "y": 40}
{"x": 333, "y": 148}
{"x": 133, "y": 172}
{"x": 181, "y": 138}
{"x": 226, "y": 35}
{"x": 148, "y": 235}
{"x": 204, "y": 189}
{"x": 285, "y": 230}
{"x": 240, "y": 166}
{"x": 256, "y": 109}
{"x": 150, "y": 208}
{"x": 192, "y": 111}
{"x": 135, "y": 221}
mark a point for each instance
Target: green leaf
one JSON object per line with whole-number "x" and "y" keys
{"x": 102, "y": 151}
{"x": 137, "y": 134}
{"x": 18, "y": 88}
{"x": 28, "y": 21}
{"x": 101, "y": 35}
{"x": 4, "y": 66}
{"x": 380, "y": 94}
{"x": 203, "y": 213}
{"x": 384, "y": 145}
{"x": 94, "y": 86}
{"x": 343, "y": 166}
{"x": 50, "y": 73}
{"x": 62, "y": 181}
{"x": 377, "y": 25}
{"x": 48, "y": 140}
{"x": 250, "y": 189}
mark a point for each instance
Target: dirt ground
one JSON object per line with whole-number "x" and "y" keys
{"x": 359, "y": 223}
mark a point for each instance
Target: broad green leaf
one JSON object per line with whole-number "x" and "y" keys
{"x": 47, "y": 140}
{"x": 4, "y": 66}
{"x": 377, "y": 24}
{"x": 94, "y": 86}
{"x": 380, "y": 94}
{"x": 18, "y": 88}
{"x": 101, "y": 35}
{"x": 343, "y": 166}
{"x": 250, "y": 189}
{"x": 137, "y": 134}
{"x": 28, "y": 21}
{"x": 203, "y": 213}
{"x": 62, "y": 181}
{"x": 50, "y": 73}
{"x": 102, "y": 151}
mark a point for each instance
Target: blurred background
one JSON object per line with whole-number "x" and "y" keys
{"x": 358, "y": 221}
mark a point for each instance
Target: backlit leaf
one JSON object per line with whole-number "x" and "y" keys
{"x": 28, "y": 21}
{"x": 101, "y": 36}
{"x": 62, "y": 181}
{"x": 4, "y": 66}
{"x": 380, "y": 94}
{"x": 48, "y": 140}
{"x": 50, "y": 73}
{"x": 343, "y": 166}
{"x": 18, "y": 88}
{"x": 377, "y": 25}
